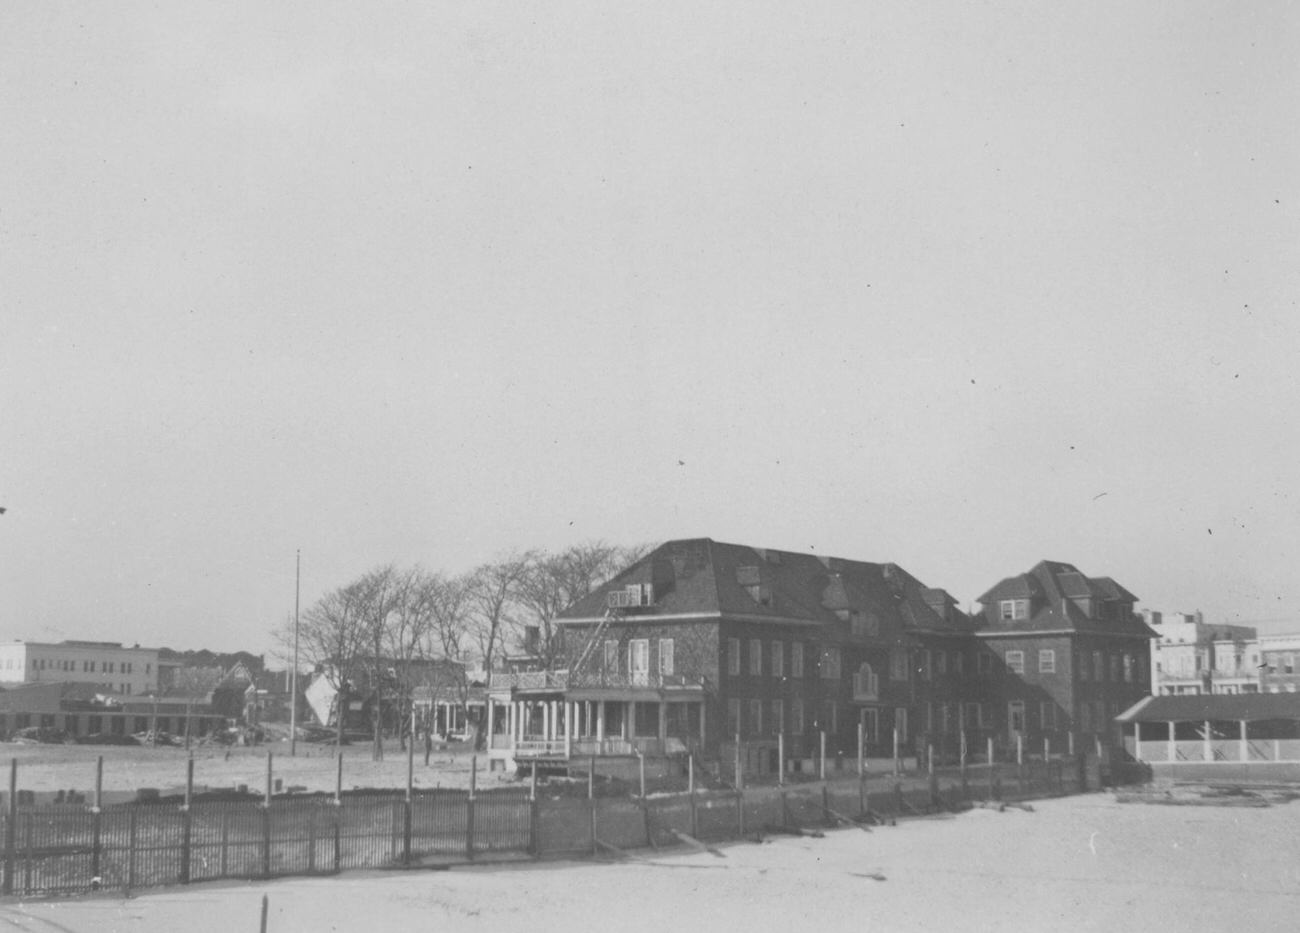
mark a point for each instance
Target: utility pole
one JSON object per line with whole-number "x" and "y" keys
{"x": 293, "y": 671}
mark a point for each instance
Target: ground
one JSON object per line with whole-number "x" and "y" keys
{"x": 1081, "y": 863}
{"x": 51, "y": 768}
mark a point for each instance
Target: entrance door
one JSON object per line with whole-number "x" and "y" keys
{"x": 870, "y": 720}
{"x": 1015, "y": 719}
{"x": 639, "y": 661}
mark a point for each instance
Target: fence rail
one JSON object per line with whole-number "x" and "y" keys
{"x": 62, "y": 849}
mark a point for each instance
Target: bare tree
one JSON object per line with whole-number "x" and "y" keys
{"x": 448, "y": 602}
{"x": 493, "y": 590}
{"x": 379, "y": 592}
{"x": 554, "y": 582}
{"x": 332, "y": 639}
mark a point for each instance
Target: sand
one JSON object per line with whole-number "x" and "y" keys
{"x": 1082, "y": 863}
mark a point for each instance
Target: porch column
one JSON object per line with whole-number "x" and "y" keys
{"x": 1173, "y": 746}
{"x": 1245, "y": 746}
{"x": 548, "y": 720}
{"x": 600, "y": 721}
{"x": 702, "y": 720}
{"x": 663, "y": 721}
{"x": 1207, "y": 753}
{"x": 1137, "y": 740}
{"x": 629, "y": 721}
{"x": 491, "y": 720}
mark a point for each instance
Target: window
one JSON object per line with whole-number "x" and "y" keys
{"x": 1288, "y": 664}
{"x": 941, "y": 662}
{"x": 796, "y": 659}
{"x": 1114, "y": 668}
{"x": 778, "y": 716}
{"x": 1046, "y": 661}
{"x": 832, "y": 717}
{"x": 755, "y": 717}
{"x": 945, "y": 719}
{"x": 108, "y": 667}
{"x": 146, "y": 668}
{"x": 756, "y": 657}
{"x": 1014, "y": 610}
{"x": 778, "y": 659}
{"x": 1085, "y": 717}
{"x": 733, "y": 657}
{"x": 831, "y": 663}
{"x": 1098, "y": 667}
{"x": 958, "y": 662}
{"x": 898, "y": 665}
{"x": 865, "y": 682}
{"x": 611, "y": 656}
{"x": 864, "y": 625}
{"x": 666, "y": 657}
{"x": 796, "y": 716}
{"x": 923, "y": 663}
{"x": 1082, "y": 663}
{"x": 733, "y": 717}
{"x": 1016, "y": 661}
{"x": 1128, "y": 668}
{"x": 1047, "y": 714}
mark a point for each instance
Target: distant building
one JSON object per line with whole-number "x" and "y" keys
{"x": 1279, "y": 663}
{"x": 129, "y": 671}
{"x": 1190, "y": 657}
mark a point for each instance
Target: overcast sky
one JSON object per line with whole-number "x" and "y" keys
{"x": 961, "y": 286}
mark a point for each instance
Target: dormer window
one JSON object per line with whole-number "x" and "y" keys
{"x": 1014, "y": 610}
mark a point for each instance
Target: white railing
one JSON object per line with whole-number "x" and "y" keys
{"x": 530, "y": 680}
{"x": 540, "y": 748}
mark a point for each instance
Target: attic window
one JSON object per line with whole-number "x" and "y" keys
{"x": 1014, "y": 610}
{"x": 747, "y": 576}
{"x": 760, "y": 594}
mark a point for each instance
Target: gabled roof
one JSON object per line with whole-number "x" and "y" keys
{"x": 1061, "y": 597}
{"x": 700, "y": 576}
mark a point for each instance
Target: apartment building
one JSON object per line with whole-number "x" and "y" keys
{"x": 702, "y": 644}
{"x": 1190, "y": 657}
{"x": 108, "y": 664}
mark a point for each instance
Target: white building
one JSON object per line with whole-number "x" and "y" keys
{"x": 1192, "y": 657}
{"x": 107, "y": 663}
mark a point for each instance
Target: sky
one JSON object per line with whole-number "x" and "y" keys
{"x": 961, "y": 286}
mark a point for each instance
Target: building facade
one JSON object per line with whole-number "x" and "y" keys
{"x": 720, "y": 649}
{"x": 1064, "y": 654}
{"x": 1190, "y": 657}
{"x": 118, "y": 669}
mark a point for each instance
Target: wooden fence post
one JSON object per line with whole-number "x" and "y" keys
{"x": 695, "y": 816}
{"x": 11, "y": 827}
{"x": 591, "y": 803}
{"x": 97, "y": 829}
{"x": 469, "y": 808}
{"x": 187, "y": 822}
{"x": 130, "y": 850}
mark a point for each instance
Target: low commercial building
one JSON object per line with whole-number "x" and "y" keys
{"x": 131, "y": 671}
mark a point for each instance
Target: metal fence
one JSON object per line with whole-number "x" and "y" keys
{"x": 61, "y": 849}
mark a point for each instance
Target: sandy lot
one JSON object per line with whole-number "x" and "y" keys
{"x": 47, "y": 769}
{"x": 1084, "y": 863}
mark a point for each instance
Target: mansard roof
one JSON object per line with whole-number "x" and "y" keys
{"x": 700, "y": 576}
{"x": 1061, "y": 597}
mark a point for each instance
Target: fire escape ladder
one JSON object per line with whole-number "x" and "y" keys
{"x": 594, "y": 639}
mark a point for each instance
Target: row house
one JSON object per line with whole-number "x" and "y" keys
{"x": 703, "y": 644}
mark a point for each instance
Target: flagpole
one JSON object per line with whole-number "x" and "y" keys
{"x": 293, "y": 672}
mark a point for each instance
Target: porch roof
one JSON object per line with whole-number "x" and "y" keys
{"x": 1217, "y": 707}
